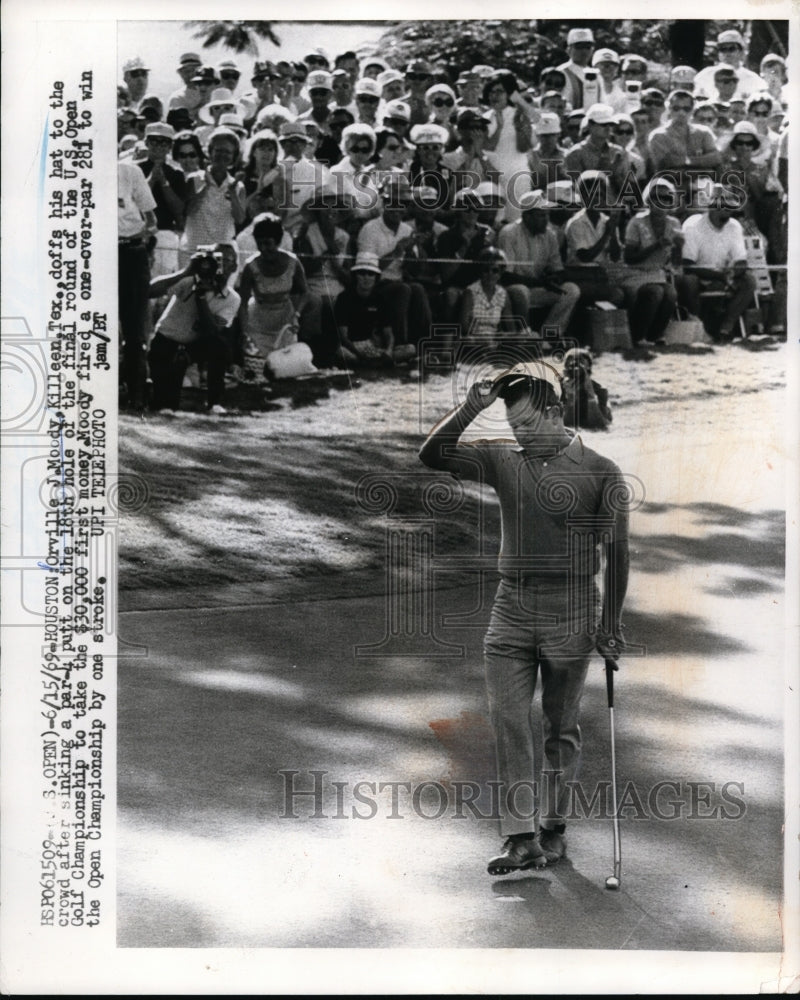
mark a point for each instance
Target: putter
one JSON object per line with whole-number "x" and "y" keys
{"x": 613, "y": 881}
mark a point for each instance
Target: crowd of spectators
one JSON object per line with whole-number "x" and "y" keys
{"x": 353, "y": 206}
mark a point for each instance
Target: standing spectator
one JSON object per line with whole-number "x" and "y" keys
{"x": 715, "y": 259}
{"x": 229, "y": 74}
{"x": 216, "y": 204}
{"x": 680, "y": 145}
{"x": 392, "y": 84}
{"x": 347, "y": 61}
{"x": 136, "y": 74}
{"x": 535, "y": 269}
{"x": 187, "y": 153}
{"x": 342, "y": 87}
{"x": 653, "y": 241}
{"x": 186, "y": 96}
{"x": 265, "y": 73}
{"x": 262, "y": 172}
{"x": 219, "y": 103}
{"x": 759, "y": 109}
{"x": 510, "y": 138}
{"x": 388, "y": 156}
{"x": 611, "y": 91}
{"x": 468, "y": 163}
{"x": 196, "y": 326}
{"x": 329, "y": 150}
{"x": 726, "y": 81}
{"x": 320, "y": 90}
{"x": 682, "y": 78}
{"x": 624, "y": 131}
{"x": 136, "y": 230}
{"x": 274, "y": 293}
{"x": 641, "y": 145}
{"x": 170, "y": 192}
{"x": 202, "y": 85}
{"x": 397, "y": 117}
{"x": 470, "y": 87}
{"x": 634, "y": 69}
{"x": 300, "y": 177}
{"x": 554, "y": 80}
{"x": 653, "y": 100}
{"x": 773, "y": 72}
{"x": 442, "y": 101}
{"x": 419, "y": 76}
{"x": 460, "y": 246}
{"x": 373, "y": 66}
{"x": 595, "y": 152}
{"x": 427, "y": 167}
{"x": 763, "y": 206}
{"x": 352, "y": 176}
{"x": 580, "y": 46}
{"x": 730, "y": 51}
{"x": 546, "y": 160}
{"x": 368, "y": 97}
{"x": 592, "y": 241}
{"x": 705, "y": 114}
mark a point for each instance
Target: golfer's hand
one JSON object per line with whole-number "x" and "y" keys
{"x": 610, "y": 645}
{"x": 482, "y": 394}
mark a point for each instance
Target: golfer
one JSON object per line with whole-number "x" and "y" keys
{"x": 563, "y": 517}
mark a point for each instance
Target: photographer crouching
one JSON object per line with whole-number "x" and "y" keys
{"x": 197, "y": 325}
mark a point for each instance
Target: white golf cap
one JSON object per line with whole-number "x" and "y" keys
{"x": 539, "y": 370}
{"x": 730, "y": 37}
{"x": 683, "y": 74}
{"x": 319, "y": 79}
{"x": 429, "y": 134}
{"x": 367, "y": 87}
{"x": 367, "y": 262}
{"x": 600, "y": 114}
{"x": 604, "y": 55}
{"x": 577, "y": 35}
{"x": 535, "y": 199}
{"x": 548, "y": 124}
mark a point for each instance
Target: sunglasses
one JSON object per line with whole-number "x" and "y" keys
{"x": 745, "y": 144}
{"x": 443, "y": 102}
{"x": 418, "y": 76}
{"x": 682, "y": 107}
{"x": 138, "y": 72}
{"x": 582, "y": 45}
{"x": 367, "y": 99}
{"x": 760, "y": 114}
{"x": 157, "y": 140}
{"x": 727, "y": 48}
{"x": 623, "y": 131}
{"x": 430, "y": 147}
{"x": 361, "y": 149}
{"x": 319, "y": 92}
{"x": 230, "y": 75}
{"x": 652, "y": 104}
{"x": 187, "y": 154}
{"x": 393, "y": 149}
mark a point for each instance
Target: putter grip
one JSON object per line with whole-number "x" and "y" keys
{"x": 610, "y": 668}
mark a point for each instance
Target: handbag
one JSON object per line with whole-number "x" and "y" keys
{"x": 291, "y": 360}
{"x": 685, "y": 329}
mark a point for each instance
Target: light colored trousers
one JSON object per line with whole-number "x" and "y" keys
{"x": 538, "y": 627}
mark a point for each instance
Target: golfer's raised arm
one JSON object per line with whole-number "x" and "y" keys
{"x": 439, "y": 449}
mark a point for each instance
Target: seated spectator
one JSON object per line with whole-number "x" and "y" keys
{"x": 653, "y": 100}
{"x": 187, "y": 96}
{"x": 427, "y": 167}
{"x": 573, "y": 128}
{"x": 731, "y": 53}
{"x": 586, "y": 402}
{"x": 653, "y": 241}
{"x": 738, "y": 110}
{"x": 641, "y": 126}
{"x": 460, "y": 246}
{"x": 180, "y": 119}
{"x": 170, "y": 191}
{"x": 486, "y": 310}
{"x": 388, "y": 238}
{"x": 423, "y": 212}
{"x": 373, "y": 66}
{"x": 681, "y": 146}
{"x": 553, "y": 80}
{"x": 468, "y": 163}
{"x": 611, "y": 91}
{"x": 368, "y": 97}
{"x": 623, "y": 131}
{"x": 535, "y": 270}
{"x": 705, "y": 114}
{"x": 493, "y": 205}
{"x": 546, "y": 160}
{"x": 592, "y": 242}
{"x": 441, "y": 100}
{"x": 715, "y": 259}
{"x": 196, "y": 326}
{"x": 595, "y": 152}
{"x": 187, "y": 153}
{"x": 552, "y": 100}
{"x": 352, "y": 176}
{"x": 726, "y": 81}
{"x": 363, "y": 323}
{"x": 274, "y": 294}
{"x": 216, "y": 205}
{"x": 219, "y": 103}
{"x": 763, "y": 206}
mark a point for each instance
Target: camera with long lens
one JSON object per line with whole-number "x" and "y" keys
{"x": 206, "y": 264}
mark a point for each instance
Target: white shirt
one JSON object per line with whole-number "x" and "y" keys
{"x": 134, "y": 198}
{"x": 708, "y": 246}
{"x": 178, "y": 322}
{"x": 376, "y": 237}
{"x": 749, "y": 84}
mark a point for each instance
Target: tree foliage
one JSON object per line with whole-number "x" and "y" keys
{"x": 239, "y": 36}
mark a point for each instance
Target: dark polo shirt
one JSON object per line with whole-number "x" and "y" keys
{"x": 555, "y": 511}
